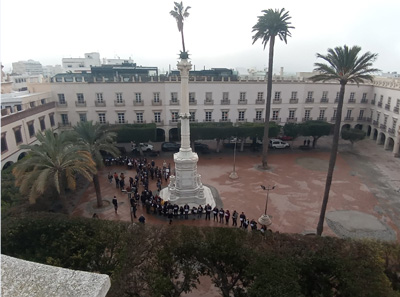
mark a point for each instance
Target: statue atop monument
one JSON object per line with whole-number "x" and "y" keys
{"x": 180, "y": 13}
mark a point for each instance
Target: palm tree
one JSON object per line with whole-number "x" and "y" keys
{"x": 54, "y": 162}
{"x": 344, "y": 66}
{"x": 273, "y": 23}
{"x": 95, "y": 139}
{"x": 180, "y": 13}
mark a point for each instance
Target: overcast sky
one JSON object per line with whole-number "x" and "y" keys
{"x": 217, "y": 32}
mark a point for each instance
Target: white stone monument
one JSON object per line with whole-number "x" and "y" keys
{"x": 186, "y": 186}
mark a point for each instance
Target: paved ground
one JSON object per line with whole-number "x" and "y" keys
{"x": 366, "y": 181}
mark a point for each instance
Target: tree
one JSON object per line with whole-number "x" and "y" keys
{"x": 344, "y": 65}
{"x": 54, "y": 162}
{"x": 180, "y": 13}
{"x": 273, "y": 23}
{"x": 96, "y": 139}
{"x": 353, "y": 135}
{"x": 315, "y": 129}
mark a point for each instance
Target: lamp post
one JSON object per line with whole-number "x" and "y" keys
{"x": 233, "y": 174}
{"x": 265, "y": 219}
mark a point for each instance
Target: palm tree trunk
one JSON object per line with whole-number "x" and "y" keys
{"x": 97, "y": 189}
{"x": 183, "y": 41}
{"x": 62, "y": 195}
{"x": 332, "y": 160}
{"x": 268, "y": 104}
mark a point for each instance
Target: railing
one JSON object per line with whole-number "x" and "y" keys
{"x": 387, "y": 106}
{"x": 139, "y": 122}
{"x": 241, "y": 120}
{"x": 258, "y": 120}
{"x": 396, "y": 109}
{"x": 121, "y": 122}
{"x": 382, "y": 126}
{"x": 373, "y": 102}
{"x": 80, "y": 104}
{"x": 260, "y": 101}
{"x": 208, "y": 121}
{"x": 276, "y": 120}
{"x": 277, "y": 101}
{"x": 158, "y": 123}
{"x": 224, "y": 120}
{"x": 291, "y": 120}
{"x": 364, "y": 101}
{"x": 208, "y": 102}
{"x": 305, "y": 119}
{"x": 380, "y": 104}
{"x": 242, "y": 102}
{"x": 391, "y": 131}
{"x": 294, "y": 101}
{"x": 119, "y": 103}
{"x": 348, "y": 119}
{"x": 99, "y": 104}
{"x": 309, "y": 100}
{"x": 352, "y": 101}
{"x": 154, "y": 103}
{"x": 322, "y": 119}
{"x": 324, "y": 100}
{"x": 225, "y": 102}
{"x": 173, "y": 122}
{"x": 192, "y": 102}
{"x": 173, "y": 102}
{"x": 64, "y": 124}
{"x": 62, "y": 104}
{"x": 362, "y": 119}
{"x": 138, "y": 103}
{"x": 375, "y": 123}
{"x": 333, "y": 119}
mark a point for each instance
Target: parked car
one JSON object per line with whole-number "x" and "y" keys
{"x": 201, "y": 147}
{"x": 278, "y": 144}
{"x": 170, "y": 147}
{"x": 285, "y": 138}
{"x": 145, "y": 147}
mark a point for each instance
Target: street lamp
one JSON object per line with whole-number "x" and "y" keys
{"x": 233, "y": 174}
{"x": 265, "y": 219}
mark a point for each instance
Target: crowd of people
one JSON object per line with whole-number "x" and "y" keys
{"x": 155, "y": 205}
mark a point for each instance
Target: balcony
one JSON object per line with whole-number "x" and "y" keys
{"x": 225, "y": 102}
{"x": 62, "y": 104}
{"x": 158, "y": 123}
{"x": 64, "y": 124}
{"x": 373, "y": 102}
{"x": 242, "y": 102}
{"x": 362, "y": 119}
{"x": 336, "y": 100}
{"x": 309, "y": 100}
{"x": 260, "y": 101}
{"x": 277, "y": 101}
{"x": 324, "y": 100}
{"x": 276, "y": 120}
{"x": 382, "y": 127}
{"x": 156, "y": 103}
{"x": 387, "y": 106}
{"x": 391, "y": 131}
{"x": 241, "y": 120}
{"x": 80, "y": 104}
{"x": 348, "y": 119}
{"x": 121, "y": 122}
{"x": 258, "y": 120}
{"x": 333, "y": 119}
{"x": 375, "y": 123}
{"x": 193, "y": 121}
{"x": 364, "y": 101}
{"x": 208, "y": 121}
{"x": 352, "y": 101}
{"x": 294, "y": 101}
{"x": 305, "y": 119}
{"x": 322, "y": 119}
{"x": 173, "y": 102}
{"x": 99, "y": 104}
{"x": 139, "y": 122}
{"x": 119, "y": 102}
{"x": 291, "y": 120}
{"x": 380, "y": 104}
{"x": 208, "y": 102}
{"x": 192, "y": 102}
{"x": 137, "y": 103}
{"x": 173, "y": 122}
{"x": 396, "y": 109}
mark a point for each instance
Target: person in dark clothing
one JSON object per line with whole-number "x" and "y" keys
{"x": 115, "y": 202}
{"x": 234, "y": 218}
{"x": 215, "y": 212}
{"x": 186, "y": 209}
{"x": 221, "y": 215}
{"x": 242, "y": 218}
{"x": 133, "y": 206}
{"x": 208, "y": 211}
{"x": 142, "y": 219}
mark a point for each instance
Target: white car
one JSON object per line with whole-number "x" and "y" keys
{"x": 145, "y": 147}
{"x": 277, "y": 143}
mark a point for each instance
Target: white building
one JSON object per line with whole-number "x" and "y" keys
{"x": 29, "y": 67}
{"x": 372, "y": 107}
{"x": 81, "y": 64}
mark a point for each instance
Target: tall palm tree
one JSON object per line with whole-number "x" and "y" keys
{"x": 344, "y": 65}
{"x": 54, "y": 162}
{"x": 180, "y": 13}
{"x": 95, "y": 139}
{"x": 273, "y": 23}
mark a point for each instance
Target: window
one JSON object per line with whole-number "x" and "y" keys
{"x": 175, "y": 116}
{"x": 156, "y": 97}
{"x": 258, "y": 115}
{"x": 121, "y": 117}
{"x": 61, "y": 98}
{"x": 310, "y": 95}
{"x": 42, "y": 101}
{"x": 361, "y": 114}
{"x": 260, "y": 96}
{"x": 119, "y": 97}
{"x": 321, "y": 114}
{"x": 292, "y": 114}
{"x": 364, "y": 96}
{"x": 174, "y": 97}
{"x": 389, "y": 100}
{"x": 18, "y": 135}
{"x": 381, "y": 99}
{"x": 208, "y": 96}
{"x": 192, "y": 116}
{"x": 139, "y": 117}
{"x": 208, "y": 116}
{"x": 31, "y": 129}
{"x": 4, "y": 146}
{"x": 224, "y": 116}
{"x": 277, "y": 96}
{"x": 385, "y": 120}
{"x": 378, "y": 115}
{"x": 51, "y": 117}
{"x": 138, "y": 97}
{"x": 375, "y": 96}
{"x": 398, "y": 103}
{"x": 348, "y": 114}
{"x": 325, "y": 95}
{"x": 394, "y": 122}
{"x": 337, "y": 95}
{"x": 225, "y": 96}
{"x": 102, "y": 118}
{"x": 42, "y": 124}
{"x": 64, "y": 119}
{"x": 32, "y": 104}
{"x": 275, "y": 115}
{"x": 307, "y": 114}
{"x": 82, "y": 117}
{"x": 334, "y": 113}
{"x": 80, "y": 98}
{"x": 242, "y": 96}
{"x": 241, "y": 115}
{"x": 192, "y": 97}
{"x": 352, "y": 95}
{"x": 99, "y": 97}
{"x": 157, "y": 117}
{"x": 293, "y": 96}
